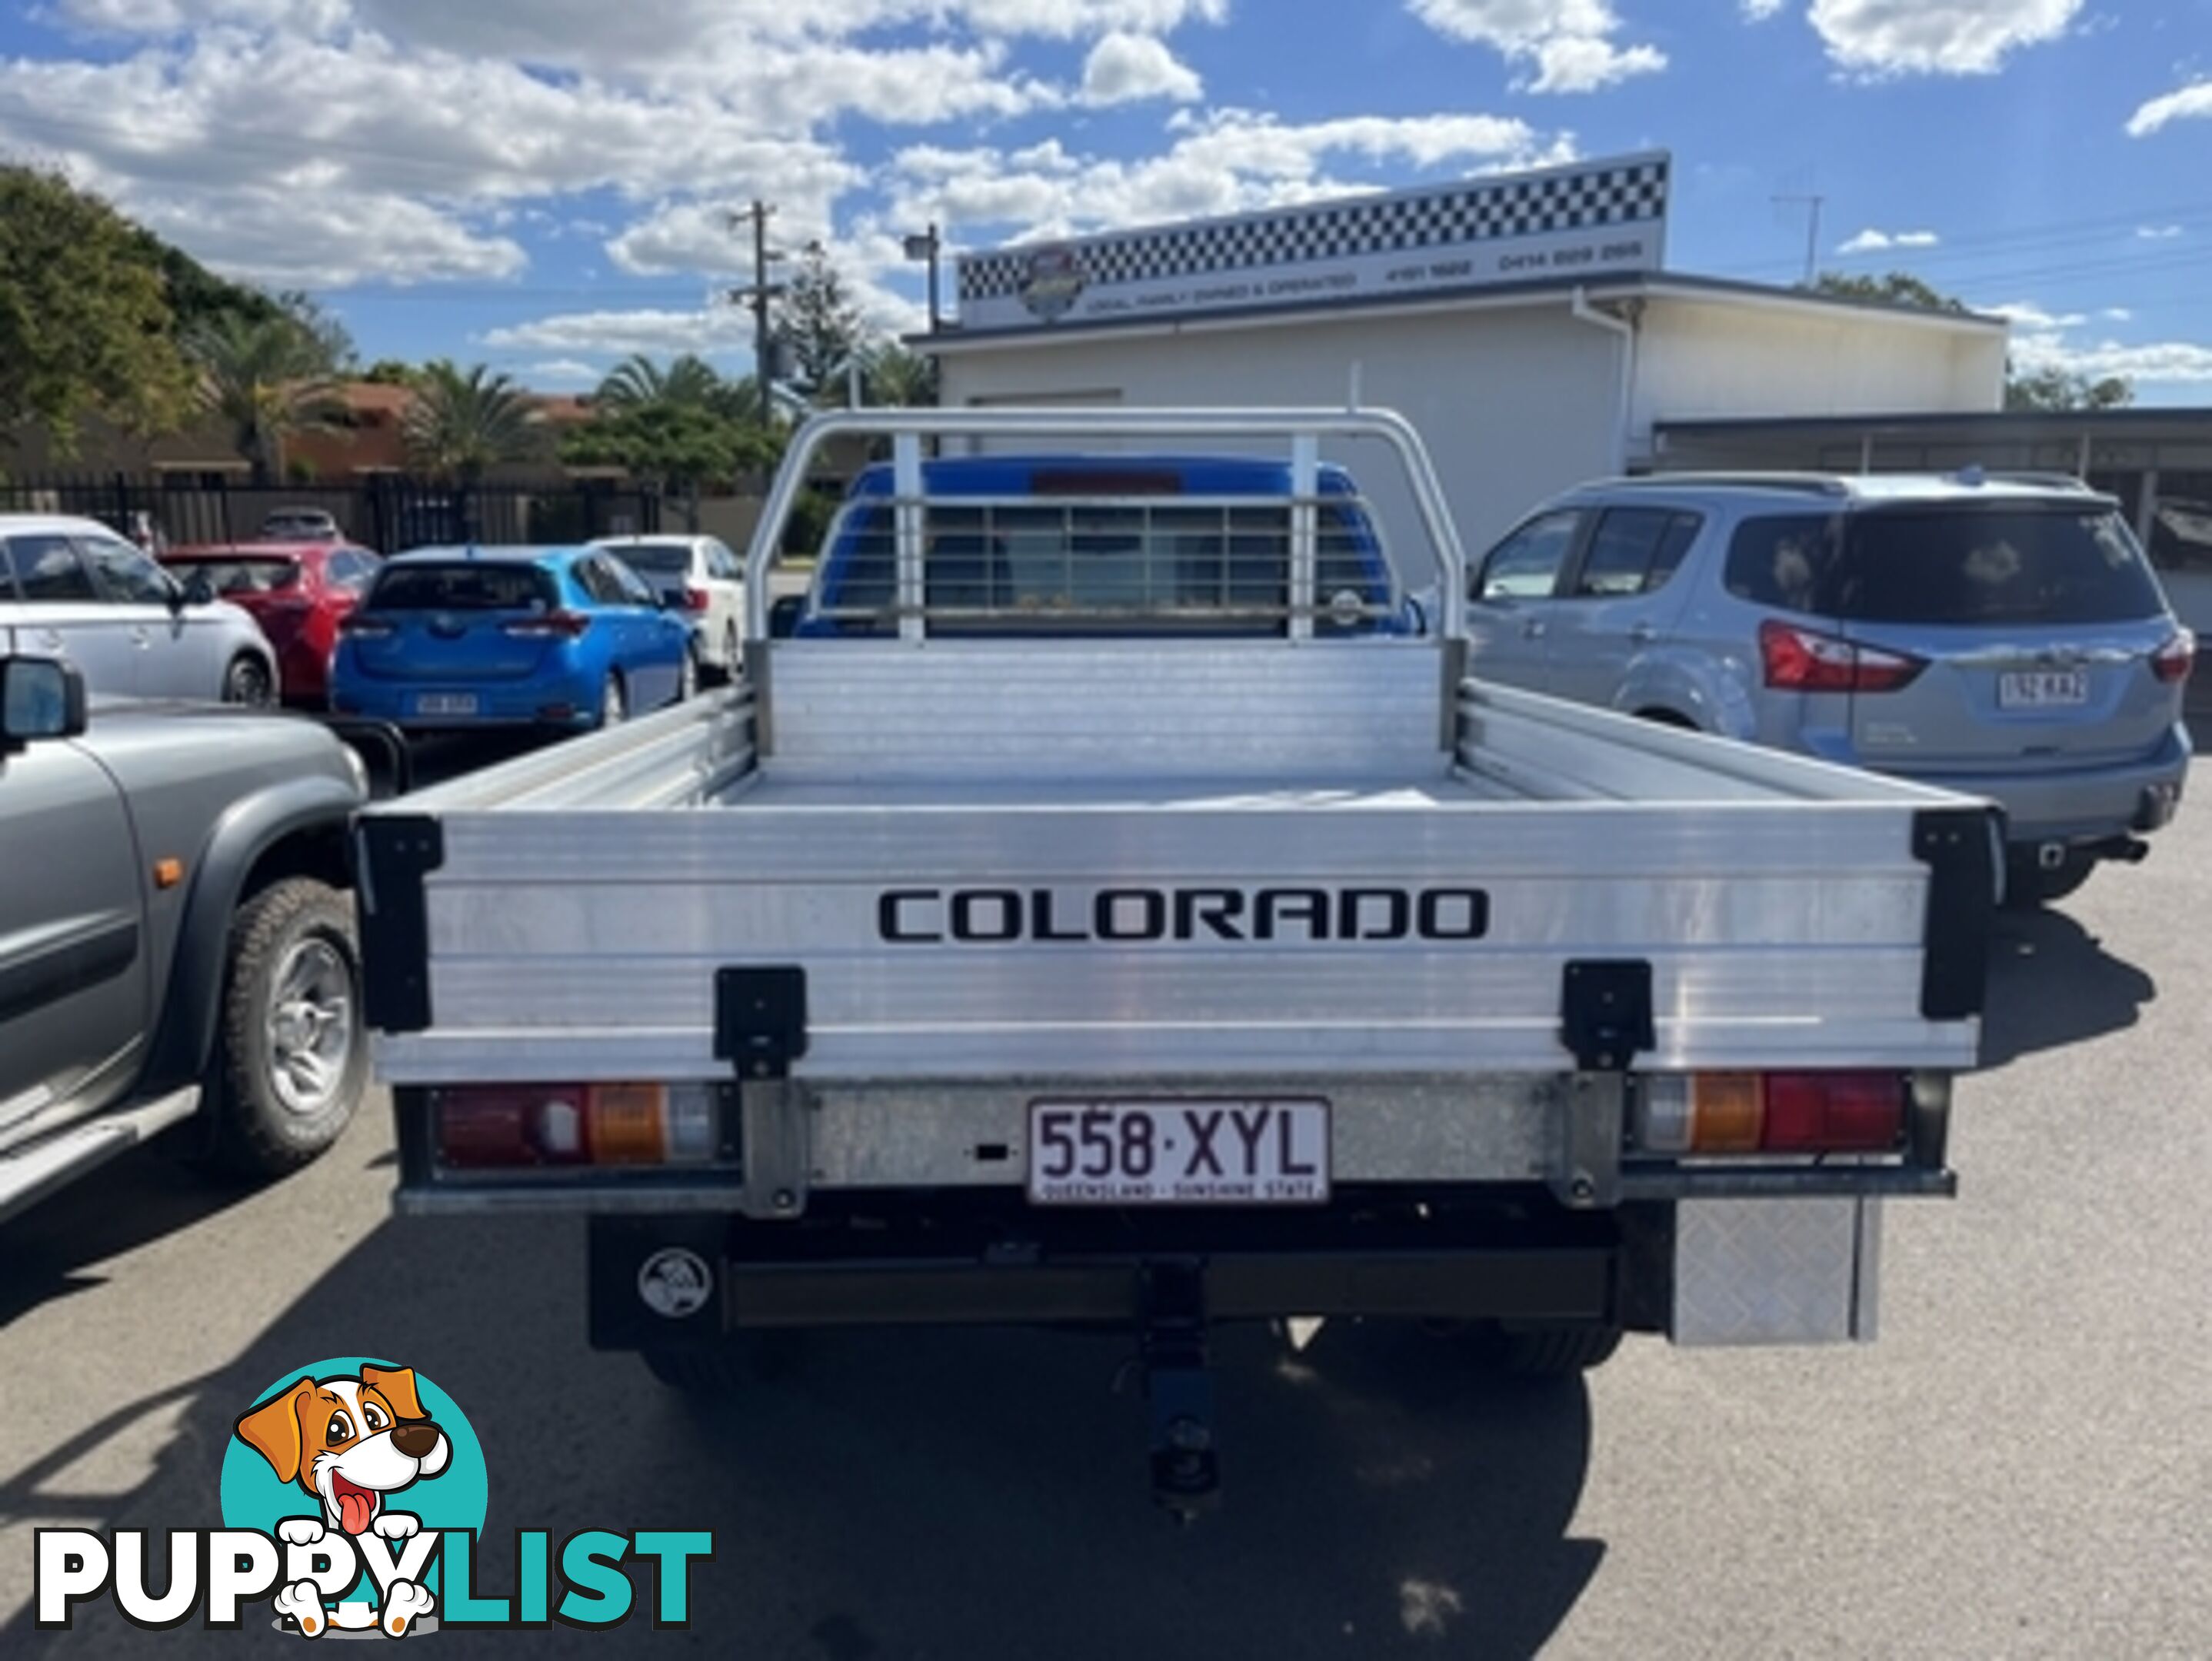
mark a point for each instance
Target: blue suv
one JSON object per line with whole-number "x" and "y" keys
{"x": 2004, "y": 637}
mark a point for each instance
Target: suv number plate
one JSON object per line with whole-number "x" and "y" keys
{"x": 1178, "y": 1153}
{"x": 2041, "y": 688}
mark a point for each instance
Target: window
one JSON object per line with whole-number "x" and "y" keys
{"x": 1994, "y": 565}
{"x": 661, "y": 559}
{"x": 1780, "y": 559}
{"x": 600, "y": 585}
{"x": 48, "y": 571}
{"x": 255, "y": 576}
{"x": 722, "y": 563}
{"x": 350, "y": 569}
{"x": 2181, "y": 521}
{"x": 1634, "y": 551}
{"x": 1526, "y": 564}
{"x": 1161, "y": 560}
{"x": 629, "y": 587}
{"x": 463, "y": 587}
{"x": 127, "y": 576}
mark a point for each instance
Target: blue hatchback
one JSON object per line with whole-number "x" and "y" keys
{"x": 561, "y": 638}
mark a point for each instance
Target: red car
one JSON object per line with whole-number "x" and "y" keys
{"x": 297, "y": 591}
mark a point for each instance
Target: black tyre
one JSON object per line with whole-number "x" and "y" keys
{"x": 1556, "y": 1352}
{"x": 2029, "y": 885}
{"x": 687, "y": 677}
{"x": 292, "y": 1057}
{"x": 739, "y": 1362}
{"x": 247, "y": 682}
{"x": 614, "y": 703}
{"x": 732, "y": 654}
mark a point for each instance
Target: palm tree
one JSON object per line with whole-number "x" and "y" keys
{"x": 463, "y": 424}
{"x": 638, "y": 382}
{"x": 891, "y": 375}
{"x": 267, "y": 379}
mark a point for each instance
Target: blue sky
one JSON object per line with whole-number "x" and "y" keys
{"x": 544, "y": 184}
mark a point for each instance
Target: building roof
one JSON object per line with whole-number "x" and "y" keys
{"x": 1541, "y": 291}
{"x": 2012, "y": 423}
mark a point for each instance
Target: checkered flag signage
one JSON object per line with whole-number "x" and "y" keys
{"x": 1469, "y": 213}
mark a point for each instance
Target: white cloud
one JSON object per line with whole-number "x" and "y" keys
{"x": 619, "y": 333}
{"x": 1124, "y": 67}
{"x": 1568, "y": 42}
{"x": 2191, "y": 103}
{"x": 1936, "y": 37}
{"x": 2025, "y": 314}
{"x": 1758, "y": 11}
{"x": 2043, "y": 341}
{"x": 2167, "y": 362}
{"x": 2157, "y": 232}
{"x": 562, "y": 372}
{"x": 1224, "y": 162}
{"x": 1873, "y": 241}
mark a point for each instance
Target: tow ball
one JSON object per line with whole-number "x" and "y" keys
{"x": 1185, "y": 1467}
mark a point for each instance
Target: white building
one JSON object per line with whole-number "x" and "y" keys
{"x": 1525, "y": 324}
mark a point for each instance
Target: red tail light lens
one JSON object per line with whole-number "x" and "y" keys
{"x": 521, "y": 1126}
{"x": 360, "y": 626}
{"x": 1804, "y": 660}
{"x": 694, "y": 599}
{"x": 505, "y": 1126}
{"x": 2172, "y": 661}
{"x": 548, "y": 626}
{"x": 1771, "y": 1113}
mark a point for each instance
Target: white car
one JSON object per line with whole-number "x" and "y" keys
{"x": 706, "y": 579}
{"x": 72, "y": 588}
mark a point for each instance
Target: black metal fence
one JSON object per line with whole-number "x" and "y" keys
{"x": 384, "y": 512}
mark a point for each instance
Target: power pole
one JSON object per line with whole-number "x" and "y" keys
{"x": 1812, "y": 229}
{"x": 760, "y": 297}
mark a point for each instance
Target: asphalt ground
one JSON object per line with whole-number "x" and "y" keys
{"x": 2022, "y": 1466}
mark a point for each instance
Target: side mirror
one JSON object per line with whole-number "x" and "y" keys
{"x": 40, "y": 697}
{"x": 783, "y": 616}
{"x": 198, "y": 590}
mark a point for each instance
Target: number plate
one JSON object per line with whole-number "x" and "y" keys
{"x": 2043, "y": 688}
{"x": 446, "y": 703}
{"x": 1179, "y": 1153}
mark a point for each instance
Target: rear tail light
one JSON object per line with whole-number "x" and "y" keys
{"x": 1805, "y": 660}
{"x": 359, "y": 627}
{"x": 548, "y": 626}
{"x": 694, "y": 599}
{"x": 2172, "y": 661}
{"x": 521, "y": 1126}
{"x": 1771, "y": 1113}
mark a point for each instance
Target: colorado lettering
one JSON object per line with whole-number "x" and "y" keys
{"x": 1143, "y": 916}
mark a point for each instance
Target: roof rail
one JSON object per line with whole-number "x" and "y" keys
{"x": 1814, "y": 484}
{"x": 2049, "y": 480}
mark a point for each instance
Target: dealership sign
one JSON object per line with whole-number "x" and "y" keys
{"x": 1590, "y": 218}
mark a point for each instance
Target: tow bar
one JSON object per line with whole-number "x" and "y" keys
{"x": 1178, "y": 1388}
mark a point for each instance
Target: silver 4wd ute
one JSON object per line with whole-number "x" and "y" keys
{"x": 176, "y": 938}
{"x": 1107, "y": 901}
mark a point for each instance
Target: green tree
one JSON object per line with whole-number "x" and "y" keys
{"x": 86, "y": 326}
{"x": 1895, "y": 289}
{"x": 681, "y": 447}
{"x": 2055, "y": 388}
{"x": 891, "y": 375}
{"x": 637, "y": 382}
{"x": 464, "y": 422}
{"x": 266, "y": 378}
{"x": 391, "y": 372}
{"x": 819, "y": 325}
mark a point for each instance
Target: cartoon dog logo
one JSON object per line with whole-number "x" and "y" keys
{"x": 349, "y": 1442}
